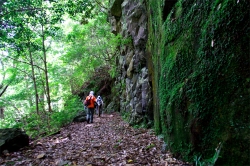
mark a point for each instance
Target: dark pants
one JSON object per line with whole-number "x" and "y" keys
{"x": 99, "y": 109}
{"x": 90, "y": 115}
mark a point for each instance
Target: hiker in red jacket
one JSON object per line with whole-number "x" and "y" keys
{"x": 90, "y": 104}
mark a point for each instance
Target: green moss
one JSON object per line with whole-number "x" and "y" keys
{"x": 155, "y": 52}
{"x": 178, "y": 11}
{"x": 201, "y": 77}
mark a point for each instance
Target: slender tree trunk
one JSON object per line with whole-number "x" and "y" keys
{"x": 34, "y": 81}
{"x": 1, "y": 113}
{"x": 46, "y": 71}
{"x": 4, "y": 89}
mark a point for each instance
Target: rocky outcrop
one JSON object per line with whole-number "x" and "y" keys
{"x": 12, "y": 139}
{"x": 200, "y": 74}
{"x": 81, "y": 117}
{"x": 129, "y": 19}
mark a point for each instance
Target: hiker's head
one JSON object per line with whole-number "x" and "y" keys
{"x": 91, "y": 93}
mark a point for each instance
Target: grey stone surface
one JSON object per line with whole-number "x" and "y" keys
{"x": 136, "y": 95}
{"x": 12, "y": 139}
{"x": 81, "y": 117}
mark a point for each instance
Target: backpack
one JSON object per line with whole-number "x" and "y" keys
{"x": 87, "y": 102}
{"x": 99, "y": 100}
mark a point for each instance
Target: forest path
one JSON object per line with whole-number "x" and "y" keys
{"x": 108, "y": 141}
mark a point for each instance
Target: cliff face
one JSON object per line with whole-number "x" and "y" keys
{"x": 129, "y": 18}
{"x": 192, "y": 59}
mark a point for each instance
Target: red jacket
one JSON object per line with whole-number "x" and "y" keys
{"x": 92, "y": 101}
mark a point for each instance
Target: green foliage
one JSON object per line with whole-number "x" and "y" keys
{"x": 39, "y": 125}
{"x": 34, "y": 70}
{"x": 208, "y": 162}
{"x": 150, "y": 146}
{"x": 11, "y": 75}
{"x": 155, "y": 47}
{"x": 10, "y": 122}
{"x": 125, "y": 115}
{"x": 90, "y": 46}
{"x": 82, "y": 10}
{"x": 72, "y": 106}
{"x": 113, "y": 72}
{"x": 202, "y": 68}
{"x": 35, "y": 125}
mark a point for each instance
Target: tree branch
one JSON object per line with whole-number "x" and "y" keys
{"x": 20, "y": 10}
{"x": 4, "y": 89}
{"x": 27, "y": 74}
{"x": 24, "y": 62}
{"x": 100, "y": 4}
{"x": 10, "y": 104}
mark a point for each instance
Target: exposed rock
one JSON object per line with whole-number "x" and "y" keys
{"x": 136, "y": 96}
{"x": 12, "y": 139}
{"x": 116, "y": 13}
{"x": 81, "y": 117}
{"x": 110, "y": 107}
{"x": 130, "y": 69}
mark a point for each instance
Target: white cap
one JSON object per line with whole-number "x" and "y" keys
{"x": 91, "y": 93}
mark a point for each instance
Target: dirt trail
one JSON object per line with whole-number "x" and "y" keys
{"x": 108, "y": 141}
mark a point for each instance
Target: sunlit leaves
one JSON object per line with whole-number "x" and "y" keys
{"x": 29, "y": 30}
{"x": 74, "y": 7}
{"x": 10, "y": 75}
{"x": 88, "y": 48}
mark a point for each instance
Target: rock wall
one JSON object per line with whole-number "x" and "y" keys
{"x": 201, "y": 61}
{"x": 129, "y": 19}
{"x": 188, "y": 66}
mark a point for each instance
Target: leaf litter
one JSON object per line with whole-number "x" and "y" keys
{"x": 108, "y": 141}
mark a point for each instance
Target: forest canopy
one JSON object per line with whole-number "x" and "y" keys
{"x": 48, "y": 49}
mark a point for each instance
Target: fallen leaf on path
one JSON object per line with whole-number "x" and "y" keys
{"x": 40, "y": 156}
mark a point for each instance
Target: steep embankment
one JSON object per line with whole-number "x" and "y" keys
{"x": 107, "y": 141}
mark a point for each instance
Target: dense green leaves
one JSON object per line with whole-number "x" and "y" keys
{"x": 89, "y": 46}
{"x": 46, "y": 56}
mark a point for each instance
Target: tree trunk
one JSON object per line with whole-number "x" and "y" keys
{"x": 4, "y": 89}
{"x": 46, "y": 72}
{"x": 34, "y": 81}
{"x": 1, "y": 113}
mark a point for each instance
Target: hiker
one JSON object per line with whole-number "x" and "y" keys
{"x": 99, "y": 105}
{"x": 90, "y": 103}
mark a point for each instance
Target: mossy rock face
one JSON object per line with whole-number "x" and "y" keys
{"x": 203, "y": 77}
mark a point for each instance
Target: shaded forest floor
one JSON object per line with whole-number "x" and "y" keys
{"x": 107, "y": 141}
